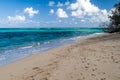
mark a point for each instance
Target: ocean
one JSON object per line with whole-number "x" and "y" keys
{"x": 17, "y": 43}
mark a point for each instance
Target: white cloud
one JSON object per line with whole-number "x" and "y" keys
{"x": 59, "y": 4}
{"x": 16, "y": 18}
{"x": 30, "y": 11}
{"x": 78, "y": 13}
{"x": 52, "y": 11}
{"x": 61, "y": 13}
{"x": 84, "y": 5}
{"x": 102, "y": 16}
{"x": 84, "y": 8}
{"x": 51, "y": 3}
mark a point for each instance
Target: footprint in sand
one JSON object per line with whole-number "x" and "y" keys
{"x": 93, "y": 75}
{"x": 36, "y": 68}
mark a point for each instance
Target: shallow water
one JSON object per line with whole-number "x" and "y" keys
{"x": 18, "y": 43}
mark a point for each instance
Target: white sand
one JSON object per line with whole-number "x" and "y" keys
{"x": 94, "y": 58}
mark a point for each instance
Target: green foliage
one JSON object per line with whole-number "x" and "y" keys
{"x": 114, "y": 24}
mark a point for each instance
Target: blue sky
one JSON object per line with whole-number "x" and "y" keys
{"x": 54, "y": 13}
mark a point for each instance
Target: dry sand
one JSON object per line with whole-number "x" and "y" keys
{"x": 93, "y": 58}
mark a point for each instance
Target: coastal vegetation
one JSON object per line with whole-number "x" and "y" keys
{"x": 114, "y": 20}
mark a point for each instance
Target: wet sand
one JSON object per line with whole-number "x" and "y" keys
{"x": 91, "y": 58}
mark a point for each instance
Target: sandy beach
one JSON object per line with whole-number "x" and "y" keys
{"x": 91, "y": 58}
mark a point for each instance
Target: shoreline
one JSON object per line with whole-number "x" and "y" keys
{"x": 62, "y": 42}
{"x": 82, "y": 60}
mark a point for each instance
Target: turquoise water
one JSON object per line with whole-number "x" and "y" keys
{"x": 18, "y": 43}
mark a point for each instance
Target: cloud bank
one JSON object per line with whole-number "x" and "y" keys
{"x": 17, "y": 18}
{"x": 85, "y": 9}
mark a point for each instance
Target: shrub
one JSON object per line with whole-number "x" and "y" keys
{"x": 114, "y": 23}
